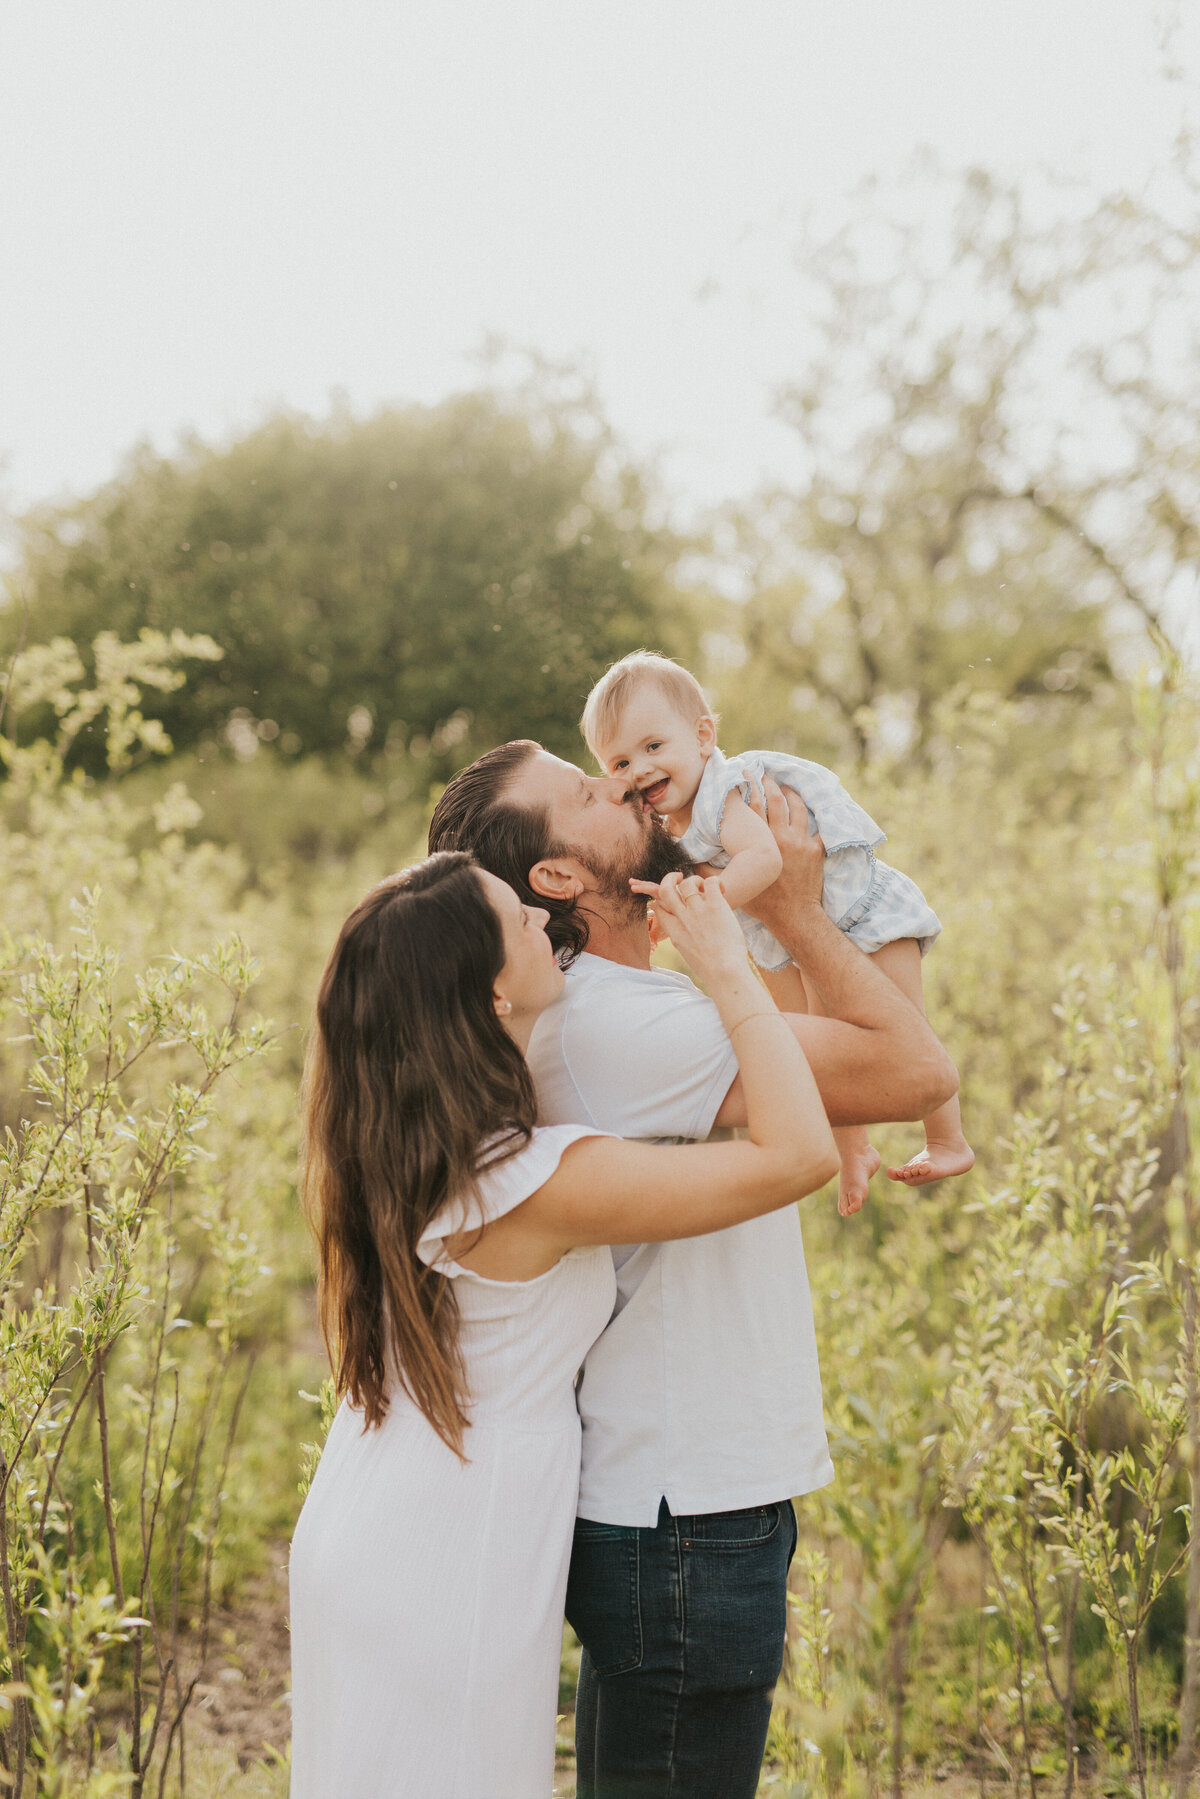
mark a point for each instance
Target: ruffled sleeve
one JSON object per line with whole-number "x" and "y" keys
{"x": 500, "y": 1190}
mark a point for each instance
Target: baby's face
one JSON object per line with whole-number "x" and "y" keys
{"x": 659, "y": 751}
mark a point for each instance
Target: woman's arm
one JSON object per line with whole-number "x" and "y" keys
{"x": 606, "y": 1190}
{"x": 609, "y": 1191}
{"x": 755, "y": 859}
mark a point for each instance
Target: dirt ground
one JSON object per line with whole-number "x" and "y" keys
{"x": 244, "y": 1705}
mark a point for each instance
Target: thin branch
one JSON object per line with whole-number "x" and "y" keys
{"x": 62, "y": 1444}
{"x": 11, "y": 1467}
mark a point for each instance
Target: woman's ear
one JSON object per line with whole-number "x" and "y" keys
{"x": 556, "y": 879}
{"x": 503, "y": 1007}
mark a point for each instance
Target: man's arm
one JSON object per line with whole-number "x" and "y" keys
{"x": 875, "y": 1057}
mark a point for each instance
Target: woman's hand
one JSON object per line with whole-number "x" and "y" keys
{"x": 696, "y": 916}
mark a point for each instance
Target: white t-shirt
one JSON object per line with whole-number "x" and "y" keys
{"x": 704, "y": 1389}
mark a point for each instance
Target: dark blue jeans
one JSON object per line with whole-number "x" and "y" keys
{"x": 683, "y": 1630}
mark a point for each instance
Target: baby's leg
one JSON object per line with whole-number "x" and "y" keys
{"x": 946, "y": 1151}
{"x": 859, "y": 1159}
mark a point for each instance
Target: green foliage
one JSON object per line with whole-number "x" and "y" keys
{"x": 1011, "y": 1359}
{"x": 1011, "y": 1364}
{"x": 133, "y": 1297}
{"x": 440, "y": 578}
{"x": 326, "y": 1402}
{"x": 52, "y": 675}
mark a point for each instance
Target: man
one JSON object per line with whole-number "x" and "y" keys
{"x": 701, "y": 1402}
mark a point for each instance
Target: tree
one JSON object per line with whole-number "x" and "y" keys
{"x": 453, "y": 575}
{"x": 998, "y": 421}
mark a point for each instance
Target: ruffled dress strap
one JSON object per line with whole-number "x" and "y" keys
{"x": 499, "y": 1189}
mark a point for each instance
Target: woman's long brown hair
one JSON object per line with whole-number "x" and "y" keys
{"x": 409, "y": 1080}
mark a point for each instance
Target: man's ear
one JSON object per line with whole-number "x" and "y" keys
{"x": 557, "y": 879}
{"x": 706, "y": 732}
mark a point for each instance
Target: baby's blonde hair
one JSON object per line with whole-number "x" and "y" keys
{"x": 617, "y": 686}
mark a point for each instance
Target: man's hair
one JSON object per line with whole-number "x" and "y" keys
{"x": 507, "y": 839}
{"x": 617, "y": 686}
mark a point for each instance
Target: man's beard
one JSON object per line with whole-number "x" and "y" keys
{"x": 658, "y": 854}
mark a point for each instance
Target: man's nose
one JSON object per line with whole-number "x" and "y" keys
{"x": 613, "y": 788}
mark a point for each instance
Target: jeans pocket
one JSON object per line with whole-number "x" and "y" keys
{"x": 604, "y": 1596}
{"x": 735, "y": 1598}
{"x": 745, "y": 1529}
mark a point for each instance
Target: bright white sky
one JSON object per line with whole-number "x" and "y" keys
{"x": 208, "y": 209}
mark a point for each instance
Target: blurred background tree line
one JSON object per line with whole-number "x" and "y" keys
{"x": 980, "y": 606}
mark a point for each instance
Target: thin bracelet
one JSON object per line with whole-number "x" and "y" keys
{"x": 749, "y": 1019}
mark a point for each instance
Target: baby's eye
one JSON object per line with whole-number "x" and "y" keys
{"x": 656, "y": 745}
{"x": 619, "y": 765}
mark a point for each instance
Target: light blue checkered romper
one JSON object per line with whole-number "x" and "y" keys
{"x": 872, "y": 903}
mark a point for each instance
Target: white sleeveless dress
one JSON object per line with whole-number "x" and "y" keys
{"x": 427, "y": 1593}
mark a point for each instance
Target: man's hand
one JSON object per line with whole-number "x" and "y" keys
{"x": 871, "y": 1050}
{"x": 803, "y": 857}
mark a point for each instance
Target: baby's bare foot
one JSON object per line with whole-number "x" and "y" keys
{"x": 938, "y": 1161}
{"x": 858, "y": 1165}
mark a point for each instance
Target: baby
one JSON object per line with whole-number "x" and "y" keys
{"x": 647, "y": 720}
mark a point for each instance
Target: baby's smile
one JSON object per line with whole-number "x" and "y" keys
{"x": 652, "y": 794}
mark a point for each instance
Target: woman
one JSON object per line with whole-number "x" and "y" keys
{"x": 463, "y": 1278}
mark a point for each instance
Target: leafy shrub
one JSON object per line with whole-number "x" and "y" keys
{"x": 134, "y": 1299}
